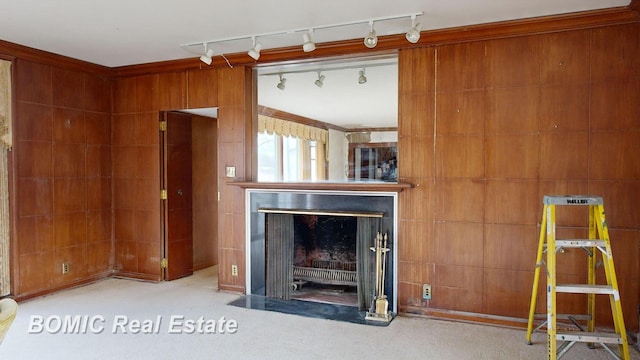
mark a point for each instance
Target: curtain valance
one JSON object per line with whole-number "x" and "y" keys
{"x": 281, "y": 127}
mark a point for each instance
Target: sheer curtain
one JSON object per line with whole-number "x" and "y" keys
{"x": 5, "y": 145}
{"x": 280, "y": 246}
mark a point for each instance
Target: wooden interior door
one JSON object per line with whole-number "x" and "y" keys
{"x": 177, "y": 207}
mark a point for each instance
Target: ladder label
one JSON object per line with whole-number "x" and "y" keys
{"x": 572, "y": 200}
{"x": 577, "y": 201}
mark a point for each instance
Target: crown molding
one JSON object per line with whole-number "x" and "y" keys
{"x": 22, "y": 52}
{"x": 355, "y": 47}
{"x": 391, "y": 43}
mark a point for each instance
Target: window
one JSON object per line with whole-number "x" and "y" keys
{"x": 290, "y": 151}
{"x": 287, "y": 158}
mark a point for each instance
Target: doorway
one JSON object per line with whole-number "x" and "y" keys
{"x": 188, "y": 163}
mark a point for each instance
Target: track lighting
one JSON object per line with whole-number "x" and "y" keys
{"x": 320, "y": 81}
{"x": 361, "y": 78}
{"x": 413, "y": 35}
{"x": 308, "y": 45}
{"x": 371, "y": 40}
{"x": 282, "y": 83}
{"x": 358, "y": 66}
{"x": 207, "y": 57}
{"x": 255, "y": 51}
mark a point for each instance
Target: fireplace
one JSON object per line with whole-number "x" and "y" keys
{"x": 326, "y": 256}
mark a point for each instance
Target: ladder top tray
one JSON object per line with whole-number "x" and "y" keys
{"x": 572, "y": 200}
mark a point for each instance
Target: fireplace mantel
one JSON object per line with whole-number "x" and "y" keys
{"x": 346, "y": 186}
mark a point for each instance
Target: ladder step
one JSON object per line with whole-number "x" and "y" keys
{"x": 572, "y": 200}
{"x": 578, "y": 317}
{"x": 586, "y": 289}
{"x": 579, "y": 243}
{"x": 590, "y": 337}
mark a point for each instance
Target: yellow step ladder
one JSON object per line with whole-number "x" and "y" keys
{"x": 598, "y": 241}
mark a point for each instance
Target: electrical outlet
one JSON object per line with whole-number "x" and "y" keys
{"x": 234, "y": 270}
{"x": 65, "y": 268}
{"x": 426, "y": 292}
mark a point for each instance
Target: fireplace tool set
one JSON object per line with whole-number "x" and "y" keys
{"x": 379, "y": 310}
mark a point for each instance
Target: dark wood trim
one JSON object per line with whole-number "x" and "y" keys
{"x": 48, "y": 58}
{"x": 232, "y": 288}
{"x": 7, "y": 58}
{"x": 532, "y": 26}
{"x": 137, "y": 276}
{"x": 85, "y": 281}
{"x": 386, "y": 44}
{"x": 370, "y": 145}
{"x": 361, "y": 130}
{"x": 635, "y": 6}
{"x": 409, "y": 310}
{"x": 461, "y": 316}
{"x": 283, "y": 115}
{"x": 345, "y": 186}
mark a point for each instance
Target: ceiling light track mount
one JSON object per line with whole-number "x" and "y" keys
{"x": 370, "y": 40}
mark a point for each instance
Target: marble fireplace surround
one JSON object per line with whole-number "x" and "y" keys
{"x": 382, "y": 199}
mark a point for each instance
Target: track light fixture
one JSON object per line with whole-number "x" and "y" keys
{"x": 413, "y": 35}
{"x": 361, "y": 69}
{"x": 371, "y": 40}
{"x": 281, "y": 84}
{"x": 255, "y": 51}
{"x": 207, "y": 57}
{"x": 361, "y": 78}
{"x": 308, "y": 45}
{"x": 320, "y": 81}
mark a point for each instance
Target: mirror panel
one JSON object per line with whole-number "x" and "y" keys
{"x": 311, "y": 114}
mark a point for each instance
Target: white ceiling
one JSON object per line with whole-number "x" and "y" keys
{"x": 126, "y": 32}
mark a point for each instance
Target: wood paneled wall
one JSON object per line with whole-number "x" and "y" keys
{"x": 136, "y": 177}
{"x": 486, "y": 128}
{"x": 489, "y": 127}
{"x": 62, "y": 178}
{"x": 235, "y": 141}
{"x": 205, "y": 201}
{"x": 138, "y": 101}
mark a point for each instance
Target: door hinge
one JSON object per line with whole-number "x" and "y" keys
{"x": 163, "y": 194}
{"x": 163, "y": 263}
{"x": 163, "y": 126}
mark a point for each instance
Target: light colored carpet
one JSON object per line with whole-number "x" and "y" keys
{"x": 259, "y": 335}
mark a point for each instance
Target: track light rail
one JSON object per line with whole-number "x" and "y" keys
{"x": 301, "y": 30}
{"x": 370, "y": 40}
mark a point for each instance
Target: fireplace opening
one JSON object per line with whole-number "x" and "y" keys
{"x": 321, "y": 256}
{"x": 324, "y": 259}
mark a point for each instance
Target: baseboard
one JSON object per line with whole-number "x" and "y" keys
{"x": 137, "y": 276}
{"x": 232, "y": 288}
{"x": 81, "y": 282}
{"x": 464, "y": 316}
